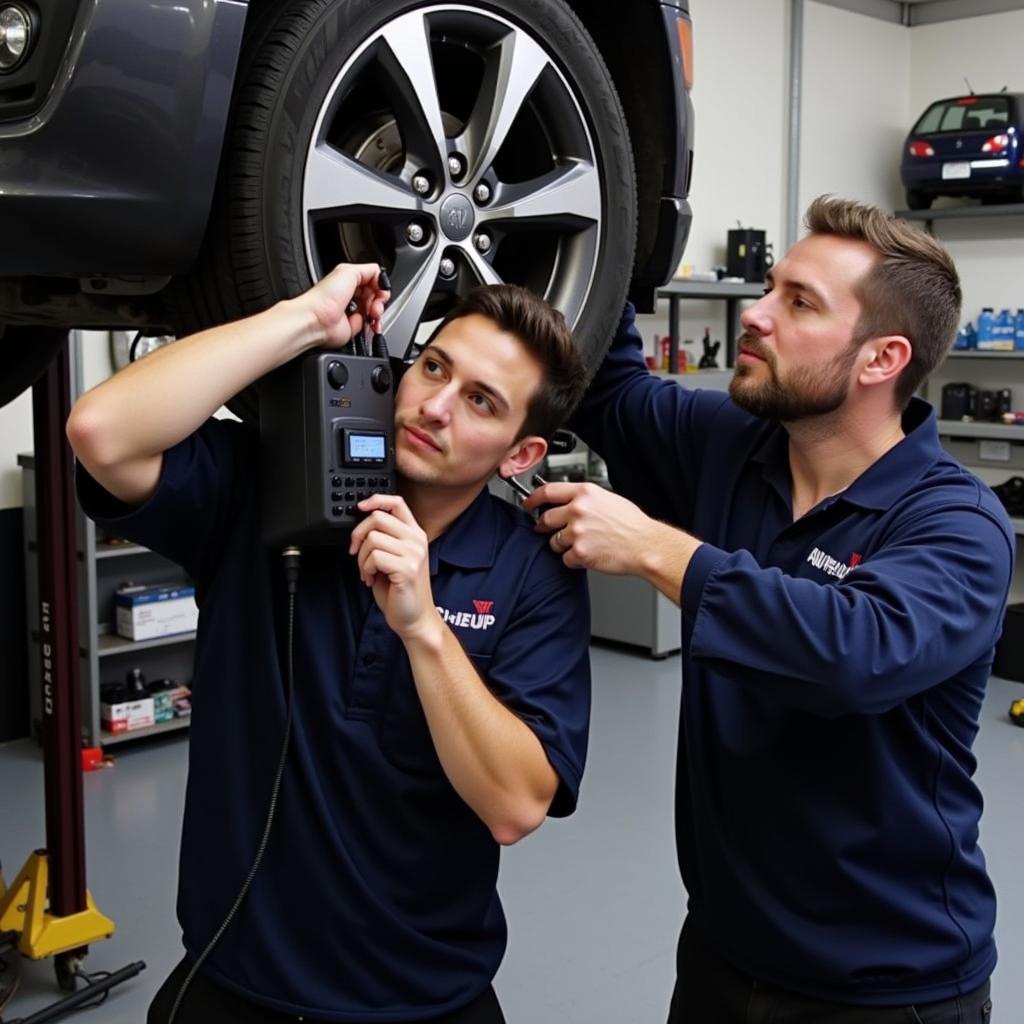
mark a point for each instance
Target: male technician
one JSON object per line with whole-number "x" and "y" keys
{"x": 442, "y": 685}
{"x": 842, "y": 582}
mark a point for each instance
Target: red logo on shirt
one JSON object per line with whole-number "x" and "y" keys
{"x": 483, "y": 607}
{"x": 855, "y": 559}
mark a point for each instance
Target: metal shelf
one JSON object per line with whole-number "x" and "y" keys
{"x": 973, "y": 354}
{"x": 964, "y": 212}
{"x": 992, "y": 431}
{"x": 171, "y": 725}
{"x": 118, "y": 550}
{"x": 111, "y": 643}
{"x": 712, "y": 289}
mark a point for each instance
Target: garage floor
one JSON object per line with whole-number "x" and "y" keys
{"x": 594, "y": 901}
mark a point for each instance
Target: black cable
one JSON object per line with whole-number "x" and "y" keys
{"x": 291, "y": 557}
{"x": 134, "y": 346}
{"x": 90, "y": 981}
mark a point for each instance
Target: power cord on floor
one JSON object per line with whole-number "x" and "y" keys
{"x": 291, "y": 557}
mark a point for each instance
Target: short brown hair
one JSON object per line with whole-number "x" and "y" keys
{"x": 545, "y": 335}
{"x": 913, "y": 288}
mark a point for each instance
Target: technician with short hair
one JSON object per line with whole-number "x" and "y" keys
{"x": 842, "y": 582}
{"x": 442, "y": 684}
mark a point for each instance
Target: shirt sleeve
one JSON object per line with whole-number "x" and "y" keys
{"x": 191, "y": 511}
{"x": 923, "y": 607}
{"x": 540, "y": 670}
{"x": 647, "y": 429}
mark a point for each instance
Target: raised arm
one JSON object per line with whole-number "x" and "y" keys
{"x": 120, "y": 429}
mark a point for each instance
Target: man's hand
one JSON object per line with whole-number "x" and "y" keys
{"x": 392, "y": 551}
{"x": 331, "y": 298}
{"x": 592, "y": 528}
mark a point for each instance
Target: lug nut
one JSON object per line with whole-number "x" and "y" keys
{"x": 414, "y": 233}
{"x": 482, "y": 241}
{"x": 482, "y": 193}
{"x": 456, "y": 166}
{"x": 447, "y": 268}
{"x": 421, "y": 184}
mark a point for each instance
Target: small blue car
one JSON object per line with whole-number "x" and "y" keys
{"x": 966, "y": 146}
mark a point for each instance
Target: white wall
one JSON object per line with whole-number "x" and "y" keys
{"x": 740, "y": 96}
{"x": 856, "y": 106}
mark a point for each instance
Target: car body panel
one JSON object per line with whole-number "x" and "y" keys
{"x": 115, "y": 173}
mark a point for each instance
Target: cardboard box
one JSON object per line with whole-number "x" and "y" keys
{"x": 127, "y": 716}
{"x": 145, "y": 612}
{"x": 167, "y": 704}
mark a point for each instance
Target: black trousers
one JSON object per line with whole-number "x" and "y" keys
{"x": 206, "y": 1002}
{"x": 710, "y": 990}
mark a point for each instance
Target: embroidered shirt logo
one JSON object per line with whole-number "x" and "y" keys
{"x": 832, "y": 566}
{"x": 483, "y": 607}
{"x": 469, "y": 620}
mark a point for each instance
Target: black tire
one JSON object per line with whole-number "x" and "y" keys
{"x": 918, "y": 200}
{"x": 255, "y": 252}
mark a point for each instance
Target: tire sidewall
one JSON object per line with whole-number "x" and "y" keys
{"x": 337, "y": 30}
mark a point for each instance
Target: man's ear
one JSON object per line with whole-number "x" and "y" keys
{"x": 890, "y": 356}
{"x": 527, "y": 452}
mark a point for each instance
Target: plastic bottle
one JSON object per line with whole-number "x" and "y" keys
{"x": 1018, "y": 331}
{"x": 1004, "y": 329}
{"x": 986, "y": 327}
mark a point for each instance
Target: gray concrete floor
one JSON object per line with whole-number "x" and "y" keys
{"x": 594, "y": 901}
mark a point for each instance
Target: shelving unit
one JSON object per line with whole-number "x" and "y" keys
{"x": 731, "y": 292}
{"x": 103, "y": 655}
{"x": 994, "y": 451}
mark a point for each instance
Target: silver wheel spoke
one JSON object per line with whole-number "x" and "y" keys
{"x": 334, "y": 181}
{"x": 408, "y": 39}
{"x": 481, "y": 267}
{"x": 513, "y": 68}
{"x": 403, "y": 314}
{"x": 567, "y": 197}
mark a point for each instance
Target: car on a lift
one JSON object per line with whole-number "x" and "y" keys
{"x": 967, "y": 146}
{"x": 169, "y": 165}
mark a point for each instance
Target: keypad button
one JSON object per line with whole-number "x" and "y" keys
{"x": 351, "y": 510}
{"x": 338, "y": 510}
{"x": 335, "y": 495}
{"x": 360, "y": 481}
{"x": 335, "y": 481}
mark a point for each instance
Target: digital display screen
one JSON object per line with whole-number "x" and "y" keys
{"x": 366, "y": 446}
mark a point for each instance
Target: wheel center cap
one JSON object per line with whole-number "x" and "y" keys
{"x": 457, "y": 217}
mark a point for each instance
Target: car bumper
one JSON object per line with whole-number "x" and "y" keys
{"x": 114, "y": 174}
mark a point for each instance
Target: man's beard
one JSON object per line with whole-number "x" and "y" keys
{"x": 806, "y": 393}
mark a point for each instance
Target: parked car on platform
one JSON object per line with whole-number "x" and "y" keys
{"x": 966, "y": 146}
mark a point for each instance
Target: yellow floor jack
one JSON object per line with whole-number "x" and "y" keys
{"x": 47, "y": 911}
{"x": 1017, "y": 712}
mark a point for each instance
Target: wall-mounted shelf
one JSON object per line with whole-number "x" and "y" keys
{"x": 112, "y": 643}
{"x": 993, "y": 431}
{"x": 107, "y": 550}
{"x": 962, "y": 213}
{"x": 171, "y": 725}
{"x": 973, "y": 354}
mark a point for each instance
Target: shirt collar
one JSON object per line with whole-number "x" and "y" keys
{"x": 883, "y": 482}
{"x": 471, "y": 542}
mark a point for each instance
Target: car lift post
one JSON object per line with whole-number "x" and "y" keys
{"x": 47, "y": 906}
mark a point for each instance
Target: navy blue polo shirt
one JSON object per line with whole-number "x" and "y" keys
{"x": 833, "y": 675}
{"x": 376, "y": 898}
